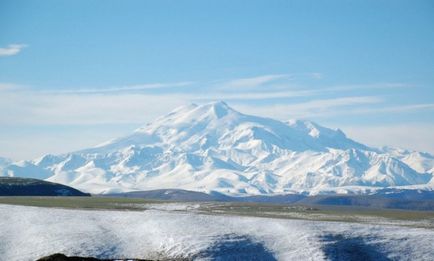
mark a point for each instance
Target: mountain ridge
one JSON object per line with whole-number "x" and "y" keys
{"x": 214, "y": 148}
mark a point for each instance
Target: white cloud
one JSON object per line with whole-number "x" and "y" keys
{"x": 316, "y": 75}
{"x": 389, "y": 109}
{"x": 321, "y": 108}
{"x": 126, "y": 88}
{"x": 8, "y": 86}
{"x": 309, "y": 109}
{"x": 252, "y": 82}
{"x": 384, "y": 85}
{"x": 414, "y": 136}
{"x": 14, "y": 143}
{"x": 395, "y": 109}
{"x": 43, "y": 108}
{"x": 254, "y": 95}
{"x": 27, "y": 107}
{"x": 136, "y": 105}
{"x": 11, "y": 49}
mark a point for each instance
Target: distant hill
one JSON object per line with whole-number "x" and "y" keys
{"x": 378, "y": 201}
{"x": 187, "y": 195}
{"x": 172, "y": 195}
{"x": 11, "y": 186}
{"x": 385, "y": 198}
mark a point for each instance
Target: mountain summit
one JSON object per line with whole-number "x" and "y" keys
{"x": 214, "y": 148}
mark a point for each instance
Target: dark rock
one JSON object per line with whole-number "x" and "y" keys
{"x": 13, "y": 186}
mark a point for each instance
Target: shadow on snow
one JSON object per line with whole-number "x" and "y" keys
{"x": 339, "y": 248}
{"x": 234, "y": 247}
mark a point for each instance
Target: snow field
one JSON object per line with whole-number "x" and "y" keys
{"x": 27, "y": 233}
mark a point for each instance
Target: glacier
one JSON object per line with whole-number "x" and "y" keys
{"x": 214, "y": 148}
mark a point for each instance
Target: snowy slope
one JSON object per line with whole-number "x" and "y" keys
{"x": 212, "y": 147}
{"x": 419, "y": 161}
{"x": 28, "y": 233}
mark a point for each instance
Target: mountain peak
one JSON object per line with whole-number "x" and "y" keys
{"x": 195, "y": 113}
{"x": 219, "y": 104}
{"x": 217, "y": 108}
{"x": 212, "y": 147}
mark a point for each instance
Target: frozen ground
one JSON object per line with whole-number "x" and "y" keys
{"x": 27, "y": 233}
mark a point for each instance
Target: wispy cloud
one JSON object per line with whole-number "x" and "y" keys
{"x": 316, "y": 75}
{"x": 394, "y": 109}
{"x": 309, "y": 109}
{"x": 250, "y": 96}
{"x": 278, "y": 91}
{"x": 347, "y": 106}
{"x": 333, "y": 108}
{"x": 127, "y": 104}
{"x": 35, "y": 108}
{"x": 8, "y": 86}
{"x": 253, "y": 82}
{"x": 12, "y": 49}
{"x": 126, "y": 88}
{"x": 367, "y": 86}
{"x": 30, "y": 107}
{"x": 273, "y": 84}
{"x": 396, "y": 135}
{"x": 245, "y": 88}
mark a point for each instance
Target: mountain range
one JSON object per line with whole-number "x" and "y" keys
{"x": 213, "y": 148}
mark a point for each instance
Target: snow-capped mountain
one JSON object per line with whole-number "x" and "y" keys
{"x": 213, "y": 147}
{"x": 3, "y": 163}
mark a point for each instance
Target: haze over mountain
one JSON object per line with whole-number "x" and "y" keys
{"x": 213, "y": 148}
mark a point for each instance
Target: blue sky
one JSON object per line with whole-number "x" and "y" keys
{"x": 75, "y": 73}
